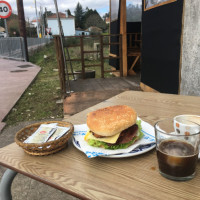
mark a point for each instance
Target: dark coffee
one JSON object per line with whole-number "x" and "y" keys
{"x": 177, "y": 158}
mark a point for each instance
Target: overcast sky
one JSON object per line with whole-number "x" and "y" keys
{"x": 102, "y": 6}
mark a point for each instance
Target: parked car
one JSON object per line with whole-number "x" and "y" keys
{"x": 2, "y": 35}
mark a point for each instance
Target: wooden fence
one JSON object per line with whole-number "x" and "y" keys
{"x": 100, "y": 51}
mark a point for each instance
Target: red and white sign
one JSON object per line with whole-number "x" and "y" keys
{"x": 5, "y": 9}
{"x": 48, "y": 30}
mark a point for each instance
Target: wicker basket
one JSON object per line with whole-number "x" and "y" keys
{"x": 43, "y": 148}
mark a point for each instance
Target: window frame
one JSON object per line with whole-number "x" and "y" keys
{"x": 157, "y": 5}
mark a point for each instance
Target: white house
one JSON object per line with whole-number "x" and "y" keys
{"x": 80, "y": 31}
{"x": 68, "y": 24}
{"x": 33, "y": 23}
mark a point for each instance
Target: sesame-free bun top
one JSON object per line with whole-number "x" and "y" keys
{"x": 111, "y": 120}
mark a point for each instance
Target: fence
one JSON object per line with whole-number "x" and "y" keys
{"x": 13, "y": 47}
{"x": 35, "y": 42}
{"x": 79, "y": 42}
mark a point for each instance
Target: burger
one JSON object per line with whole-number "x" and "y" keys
{"x": 114, "y": 127}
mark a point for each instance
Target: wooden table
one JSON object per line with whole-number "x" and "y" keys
{"x": 105, "y": 178}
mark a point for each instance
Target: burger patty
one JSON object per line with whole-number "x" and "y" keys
{"x": 125, "y": 136}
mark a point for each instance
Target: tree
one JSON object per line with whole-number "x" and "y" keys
{"x": 31, "y": 31}
{"x": 106, "y": 15}
{"x": 45, "y": 15}
{"x": 134, "y": 13}
{"x": 2, "y": 23}
{"x": 68, "y": 12}
{"x": 92, "y": 18}
{"x": 13, "y": 25}
{"x": 79, "y": 13}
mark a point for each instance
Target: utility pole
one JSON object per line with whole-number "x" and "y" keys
{"x": 6, "y": 28}
{"x": 29, "y": 27}
{"x": 40, "y": 17}
{"x": 61, "y": 34}
{"x": 42, "y": 21}
{"x": 38, "y": 33}
{"x": 46, "y": 17}
{"x": 22, "y": 26}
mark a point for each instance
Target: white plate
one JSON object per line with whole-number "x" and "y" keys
{"x": 139, "y": 150}
{"x": 141, "y": 146}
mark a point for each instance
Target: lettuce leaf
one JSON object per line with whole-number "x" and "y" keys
{"x": 139, "y": 123}
{"x": 96, "y": 143}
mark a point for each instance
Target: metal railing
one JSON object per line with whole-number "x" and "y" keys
{"x": 31, "y": 42}
{"x": 13, "y": 47}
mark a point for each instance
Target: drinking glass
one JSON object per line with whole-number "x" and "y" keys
{"x": 177, "y": 152}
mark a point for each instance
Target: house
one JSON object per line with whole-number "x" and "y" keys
{"x": 67, "y": 22}
{"x": 107, "y": 20}
{"x": 34, "y": 23}
{"x": 80, "y": 31}
{"x": 94, "y": 29}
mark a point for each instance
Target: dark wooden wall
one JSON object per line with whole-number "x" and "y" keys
{"x": 161, "y": 47}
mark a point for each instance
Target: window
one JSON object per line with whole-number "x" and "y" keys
{"x": 149, "y": 4}
{"x": 134, "y": 10}
{"x": 114, "y": 9}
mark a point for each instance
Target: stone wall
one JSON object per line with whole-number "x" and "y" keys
{"x": 190, "y": 70}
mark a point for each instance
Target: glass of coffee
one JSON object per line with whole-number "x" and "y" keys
{"x": 177, "y": 153}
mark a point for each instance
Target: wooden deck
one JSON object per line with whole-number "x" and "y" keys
{"x": 88, "y": 92}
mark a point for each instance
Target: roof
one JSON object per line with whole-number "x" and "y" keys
{"x": 93, "y": 28}
{"x": 34, "y": 20}
{"x": 61, "y": 15}
{"x": 79, "y": 29}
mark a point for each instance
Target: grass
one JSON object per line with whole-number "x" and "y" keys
{"x": 39, "y": 100}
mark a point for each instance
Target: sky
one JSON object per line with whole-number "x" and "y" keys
{"x": 102, "y": 6}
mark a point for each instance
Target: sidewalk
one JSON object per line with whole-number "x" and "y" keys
{"x": 15, "y": 77}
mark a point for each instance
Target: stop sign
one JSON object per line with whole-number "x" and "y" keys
{"x": 5, "y": 9}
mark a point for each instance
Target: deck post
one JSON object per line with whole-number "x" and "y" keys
{"x": 82, "y": 57}
{"x": 124, "y": 36}
{"x": 101, "y": 56}
{"x": 61, "y": 65}
{"x": 120, "y": 56}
